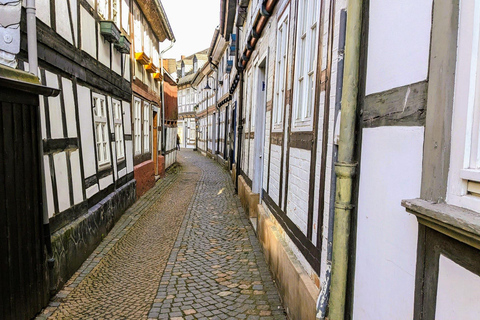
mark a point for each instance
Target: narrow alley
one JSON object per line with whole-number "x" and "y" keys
{"x": 185, "y": 250}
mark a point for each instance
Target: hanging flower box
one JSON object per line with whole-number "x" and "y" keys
{"x": 142, "y": 58}
{"x": 157, "y": 76}
{"x": 110, "y": 31}
{"x": 151, "y": 68}
{"x": 123, "y": 45}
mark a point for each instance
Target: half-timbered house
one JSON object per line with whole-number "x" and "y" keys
{"x": 149, "y": 27}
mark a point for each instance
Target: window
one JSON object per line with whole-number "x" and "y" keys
{"x": 137, "y": 124}
{"x": 118, "y": 126}
{"x": 101, "y": 130}
{"x": 464, "y": 174}
{"x": 146, "y": 127}
{"x": 280, "y": 73}
{"x": 102, "y": 8}
{"x": 115, "y": 12}
{"x": 306, "y": 57}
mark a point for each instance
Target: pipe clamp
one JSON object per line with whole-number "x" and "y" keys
{"x": 345, "y": 170}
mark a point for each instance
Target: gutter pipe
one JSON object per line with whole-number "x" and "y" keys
{"x": 323, "y": 298}
{"x": 172, "y": 42}
{"x": 345, "y": 168}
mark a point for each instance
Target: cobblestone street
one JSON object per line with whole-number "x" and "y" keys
{"x": 185, "y": 250}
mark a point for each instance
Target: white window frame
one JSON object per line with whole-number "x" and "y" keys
{"x": 466, "y": 110}
{"x": 305, "y": 64}
{"x": 146, "y": 127}
{"x": 102, "y": 141}
{"x": 115, "y": 12}
{"x": 137, "y": 125}
{"x": 103, "y": 8}
{"x": 280, "y": 83}
{"x": 118, "y": 129}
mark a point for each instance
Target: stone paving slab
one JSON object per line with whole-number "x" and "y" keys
{"x": 119, "y": 280}
{"x": 185, "y": 250}
{"x": 216, "y": 269}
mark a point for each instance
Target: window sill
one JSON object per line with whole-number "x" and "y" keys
{"x": 458, "y": 223}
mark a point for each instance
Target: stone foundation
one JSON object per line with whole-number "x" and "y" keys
{"x": 298, "y": 291}
{"x": 248, "y": 199}
{"x": 144, "y": 174}
{"x": 73, "y": 243}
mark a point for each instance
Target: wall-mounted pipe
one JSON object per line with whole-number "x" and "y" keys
{"x": 32, "y": 37}
{"x": 346, "y": 167}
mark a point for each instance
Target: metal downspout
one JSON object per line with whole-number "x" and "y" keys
{"x": 324, "y": 297}
{"x": 163, "y": 94}
{"x": 345, "y": 168}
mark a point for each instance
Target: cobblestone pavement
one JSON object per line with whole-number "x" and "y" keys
{"x": 157, "y": 264}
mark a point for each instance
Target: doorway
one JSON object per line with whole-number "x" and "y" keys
{"x": 260, "y": 106}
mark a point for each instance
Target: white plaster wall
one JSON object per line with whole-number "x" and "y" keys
{"x": 54, "y": 107}
{"x": 251, "y": 147}
{"x": 86, "y": 129}
{"x": 42, "y": 118}
{"x": 122, "y": 172}
{"x": 62, "y": 19}
{"x": 273, "y": 188}
{"x": 266, "y": 154}
{"x": 103, "y": 50}
{"x": 61, "y": 177}
{"x": 117, "y": 61}
{"x": 92, "y": 191}
{"x": 48, "y": 186}
{"x": 390, "y": 171}
{"x": 105, "y": 182}
{"x": 126, "y": 68}
{"x": 43, "y": 11}
{"x": 298, "y": 187}
{"x": 69, "y": 100}
{"x": 129, "y": 155}
{"x": 76, "y": 177}
{"x": 458, "y": 292}
{"x": 87, "y": 24}
{"x": 398, "y": 43}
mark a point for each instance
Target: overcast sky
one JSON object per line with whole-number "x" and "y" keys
{"x": 193, "y": 23}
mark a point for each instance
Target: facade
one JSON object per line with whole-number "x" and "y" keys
{"x": 188, "y": 97}
{"x": 149, "y": 28}
{"x": 95, "y": 130}
{"x": 324, "y": 137}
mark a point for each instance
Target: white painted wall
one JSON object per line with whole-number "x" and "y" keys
{"x": 61, "y": 178}
{"x": 54, "y": 107}
{"x": 103, "y": 50}
{"x": 76, "y": 177}
{"x": 87, "y": 25}
{"x": 298, "y": 187}
{"x": 398, "y": 43}
{"x": 390, "y": 171}
{"x": 458, "y": 292}
{"x": 62, "y": 19}
{"x": 69, "y": 100}
{"x": 43, "y": 11}
{"x": 86, "y": 127}
{"x": 48, "y": 187}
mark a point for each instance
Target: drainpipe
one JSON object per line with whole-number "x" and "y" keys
{"x": 172, "y": 42}
{"x": 323, "y": 298}
{"x": 239, "y": 68}
{"x": 345, "y": 167}
{"x": 32, "y": 37}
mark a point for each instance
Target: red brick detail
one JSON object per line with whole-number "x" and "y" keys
{"x": 145, "y": 175}
{"x": 161, "y": 166}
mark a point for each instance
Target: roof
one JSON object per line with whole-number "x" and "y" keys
{"x": 157, "y": 18}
